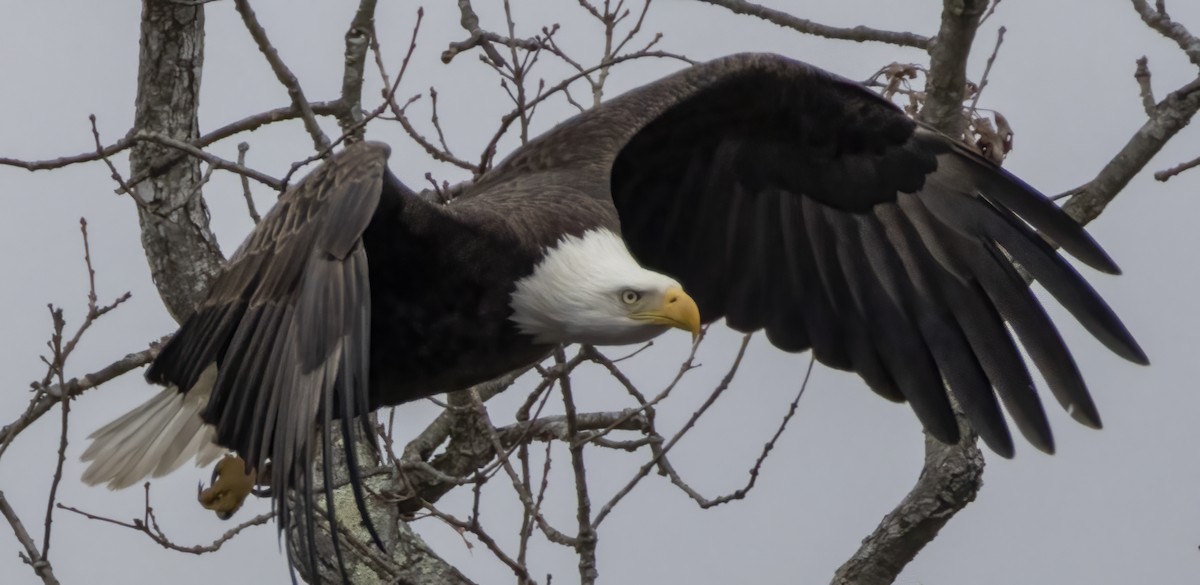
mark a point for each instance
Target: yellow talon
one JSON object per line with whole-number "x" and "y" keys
{"x": 228, "y": 488}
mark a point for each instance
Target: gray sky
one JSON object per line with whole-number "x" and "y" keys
{"x": 1115, "y": 506}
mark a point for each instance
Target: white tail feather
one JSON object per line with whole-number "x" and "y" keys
{"x": 155, "y": 438}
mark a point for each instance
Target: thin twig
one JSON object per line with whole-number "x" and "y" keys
{"x": 213, "y": 160}
{"x": 247, "y": 124}
{"x": 285, "y": 75}
{"x": 30, "y": 556}
{"x": 474, "y": 527}
{"x": 101, "y": 153}
{"x": 433, "y": 119}
{"x": 389, "y": 101}
{"x": 990, "y": 12}
{"x": 430, "y": 148}
{"x": 659, "y": 453}
{"x": 1175, "y": 170}
{"x": 585, "y": 541}
{"x": 502, "y": 455}
{"x": 60, "y": 354}
{"x": 1146, "y": 89}
{"x": 256, "y": 121}
{"x": 254, "y": 216}
{"x": 741, "y": 492}
{"x": 858, "y": 34}
{"x": 479, "y": 38}
{"x": 49, "y": 396}
{"x": 987, "y": 70}
{"x": 489, "y": 151}
{"x": 156, "y": 534}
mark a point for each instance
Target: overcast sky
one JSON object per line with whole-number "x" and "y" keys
{"x": 1115, "y": 506}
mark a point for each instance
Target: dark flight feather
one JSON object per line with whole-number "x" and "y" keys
{"x": 289, "y": 315}
{"x": 898, "y": 243}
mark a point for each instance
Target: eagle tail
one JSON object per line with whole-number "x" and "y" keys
{"x": 154, "y": 438}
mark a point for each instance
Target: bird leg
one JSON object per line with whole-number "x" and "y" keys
{"x": 228, "y": 488}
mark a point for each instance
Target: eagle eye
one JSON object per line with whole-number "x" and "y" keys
{"x": 630, "y": 296}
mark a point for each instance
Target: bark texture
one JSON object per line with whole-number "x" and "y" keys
{"x": 180, "y": 247}
{"x": 951, "y": 478}
{"x": 948, "y": 54}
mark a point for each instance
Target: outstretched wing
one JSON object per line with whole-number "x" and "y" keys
{"x": 787, "y": 199}
{"x": 288, "y": 326}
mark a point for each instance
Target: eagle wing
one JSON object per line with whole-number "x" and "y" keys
{"x": 288, "y": 325}
{"x": 790, "y": 200}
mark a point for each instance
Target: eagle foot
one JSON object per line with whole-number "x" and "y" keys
{"x": 228, "y": 487}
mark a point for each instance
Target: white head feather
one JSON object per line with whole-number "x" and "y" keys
{"x": 575, "y": 294}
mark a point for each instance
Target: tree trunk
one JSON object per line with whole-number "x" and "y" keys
{"x": 180, "y": 247}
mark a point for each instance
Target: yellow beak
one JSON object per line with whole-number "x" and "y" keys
{"x": 678, "y": 310}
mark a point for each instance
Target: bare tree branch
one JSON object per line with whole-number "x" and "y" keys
{"x": 181, "y": 249}
{"x": 31, "y": 555}
{"x": 949, "y": 481}
{"x": 256, "y": 121}
{"x": 285, "y": 75}
{"x": 585, "y": 541}
{"x": 64, "y": 161}
{"x": 947, "y": 82}
{"x": 740, "y": 493}
{"x": 1142, "y": 75}
{"x": 389, "y": 99}
{"x": 1175, "y": 170}
{"x": 482, "y": 39}
{"x": 247, "y": 124}
{"x": 148, "y": 525}
{"x": 983, "y": 80}
{"x": 215, "y": 161}
{"x": 1159, "y": 20}
{"x": 1170, "y": 116}
{"x": 489, "y": 151}
{"x": 250, "y": 208}
{"x": 430, "y": 148}
{"x": 659, "y": 452}
{"x": 858, "y": 34}
{"x": 358, "y": 42}
{"x": 74, "y": 387}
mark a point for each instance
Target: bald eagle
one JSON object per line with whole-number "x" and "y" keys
{"x": 753, "y": 188}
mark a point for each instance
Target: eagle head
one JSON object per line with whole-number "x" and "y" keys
{"x": 589, "y": 289}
